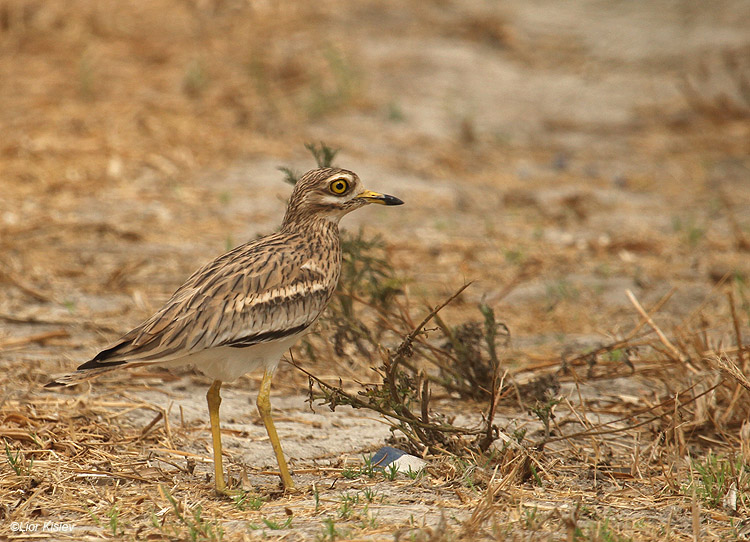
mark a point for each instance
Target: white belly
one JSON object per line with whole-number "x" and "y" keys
{"x": 227, "y": 364}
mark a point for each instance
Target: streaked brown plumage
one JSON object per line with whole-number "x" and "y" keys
{"x": 243, "y": 310}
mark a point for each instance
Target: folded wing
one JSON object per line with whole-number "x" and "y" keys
{"x": 247, "y": 296}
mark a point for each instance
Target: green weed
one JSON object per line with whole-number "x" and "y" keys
{"x": 535, "y": 475}
{"x": 272, "y": 525}
{"x": 391, "y": 472}
{"x": 515, "y": 257}
{"x": 544, "y": 411}
{"x": 367, "y": 469}
{"x": 330, "y": 532}
{"x": 370, "y": 494}
{"x": 395, "y": 113}
{"x": 316, "y": 496}
{"x": 351, "y": 473}
{"x": 615, "y": 355}
{"x": 324, "y": 99}
{"x": 247, "y": 501}
{"x": 198, "y": 527}
{"x": 601, "y": 531}
{"x": 114, "y": 521}
{"x": 415, "y": 474}
{"x": 322, "y": 153}
{"x": 715, "y": 476}
{"x": 350, "y": 498}
{"x": 345, "y": 510}
{"x": 559, "y": 291}
{"x": 195, "y": 80}
{"x": 17, "y": 461}
{"x": 94, "y": 517}
{"x": 369, "y": 521}
{"x": 692, "y": 231}
{"x": 229, "y": 243}
{"x": 531, "y": 520}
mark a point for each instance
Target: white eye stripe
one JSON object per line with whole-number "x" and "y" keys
{"x": 341, "y": 177}
{"x": 332, "y": 199}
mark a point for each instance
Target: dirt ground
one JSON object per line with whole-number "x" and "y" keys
{"x": 557, "y": 154}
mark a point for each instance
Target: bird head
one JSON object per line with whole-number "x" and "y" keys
{"x": 330, "y": 193}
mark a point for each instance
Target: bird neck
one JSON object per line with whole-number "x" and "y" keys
{"x": 311, "y": 226}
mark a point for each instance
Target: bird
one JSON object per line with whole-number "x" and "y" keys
{"x": 242, "y": 311}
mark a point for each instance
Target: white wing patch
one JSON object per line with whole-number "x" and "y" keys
{"x": 313, "y": 267}
{"x": 277, "y": 293}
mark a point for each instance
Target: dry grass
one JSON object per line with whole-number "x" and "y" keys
{"x": 589, "y": 463}
{"x": 113, "y": 115}
{"x": 101, "y": 89}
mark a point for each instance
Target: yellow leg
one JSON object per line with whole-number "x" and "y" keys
{"x": 264, "y": 408}
{"x": 214, "y": 401}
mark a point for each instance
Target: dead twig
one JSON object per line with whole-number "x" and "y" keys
{"x": 26, "y": 288}
{"x": 36, "y": 338}
{"x": 594, "y": 431}
{"x": 403, "y": 388}
{"x": 663, "y": 338}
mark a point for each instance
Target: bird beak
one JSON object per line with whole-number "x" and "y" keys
{"x": 382, "y": 199}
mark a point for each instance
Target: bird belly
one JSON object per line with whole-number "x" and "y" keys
{"x": 227, "y": 363}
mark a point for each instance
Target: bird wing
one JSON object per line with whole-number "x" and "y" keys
{"x": 250, "y": 295}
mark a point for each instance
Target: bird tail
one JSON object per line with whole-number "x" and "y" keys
{"x": 90, "y": 370}
{"x": 81, "y": 375}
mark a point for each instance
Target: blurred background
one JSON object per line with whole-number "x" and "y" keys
{"x": 555, "y": 153}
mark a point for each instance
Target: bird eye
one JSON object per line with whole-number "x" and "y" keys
{"x": 339, "y": 186}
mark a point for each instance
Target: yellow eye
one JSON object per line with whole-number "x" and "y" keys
{"x": 339, "y": 186}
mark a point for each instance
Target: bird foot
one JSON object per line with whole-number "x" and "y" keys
{"x": 292, "y": 490}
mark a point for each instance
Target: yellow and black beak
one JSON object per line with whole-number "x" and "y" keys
{"x": 382, "y": 199}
